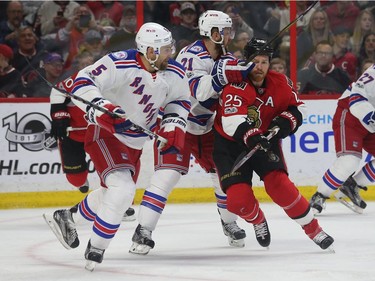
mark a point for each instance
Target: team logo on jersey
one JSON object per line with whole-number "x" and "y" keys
{"x": 272, "y": 157}
{"x": 189, "y": 74}
{"x": 230, "y": 110}
{"x": 120, "y": 55}
{"x": 196, "y": 49}
{"x": 253, "y": 116}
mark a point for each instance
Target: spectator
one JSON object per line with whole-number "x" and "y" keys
{"x": 10, "y": 25}
{"x": 54, "y": 15}
{"x": 123, "y": 39}
{"x": 28, "y": 52}
{"x": 233, "y": 10}
{"x": 367, "y": 50}
{"x": 303, "y": 22}
{"x": 10, "y": 78}
{"x": 342, "y": 58}
{"x": 93, "y": 44}
{"x": 51, "y": 70}
{"x": 278, "y": 65}
{"x": 323, "y": 77}
{"x": 187, "y": 31}
{"x": 257, "y": 14}
{"x": 107, "y": 9}
{"x": 82, "y": 60}
{"x": 363, "y": 26}
{"x": 366, "y": 63}
{"x": 238, "y": 53}
{"x": 239, "y": 41}
{"x": 73, "y": 33}
{"x": 342, "y": 14}
{"x": 317, "y": 31}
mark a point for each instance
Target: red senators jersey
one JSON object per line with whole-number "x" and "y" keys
{"x": 77, "y": 120}
{"x": 242, "y": 101}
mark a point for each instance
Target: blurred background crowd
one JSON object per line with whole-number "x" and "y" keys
{"x": 335, "y": 40}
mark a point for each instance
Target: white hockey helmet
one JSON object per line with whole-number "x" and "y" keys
{"x": 210, "y": 19}
{"x": 153, "y": 35}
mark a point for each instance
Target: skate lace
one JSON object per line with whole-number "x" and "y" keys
{"x": 318, "y": 199}
{"x": 352, "y": 191}
{"x": 96, "y": 250}
{"x": 261, "y": 230}
{"x": 145, "y": 233}
{"x": 232, "y": 227}
{"x": 70, "y": 227}
{"x": 320, "y": 237}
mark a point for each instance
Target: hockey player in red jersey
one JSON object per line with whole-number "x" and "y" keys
{"x": 132, "y": 85}
{"x": 69, "y": 128}
{"x": 247, "y": 112}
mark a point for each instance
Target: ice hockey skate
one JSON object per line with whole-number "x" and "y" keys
{"x": 63, "y": 226}
{"x": 262, "y": 234}
{"x": 236, "y": 235}
{"x": 320, "y": 238}
{"x": 348, "y": 195}
{"x": 85, "y": 187}
{"x": 142, "y": 242}
{"x": 93, "y": 256}
{"x": 129, "y": 215}
{"x": 318, "y": 202}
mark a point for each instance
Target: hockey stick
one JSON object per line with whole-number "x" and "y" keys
{"x": 269, "y": 43}
{"x": 97, "y": 107}
{"x": 244, "y": 156}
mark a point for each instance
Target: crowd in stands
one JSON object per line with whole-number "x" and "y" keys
{"x": 335, "y": 39}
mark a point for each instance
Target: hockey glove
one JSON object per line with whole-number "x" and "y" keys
{"x": 60, "y": 123}
{"x": 114, "y": 125}
{"x": 369, "y": 120}
{"x": 287, "y": 123}
{"x": 229, "y": 71}
{"x": 173, "y": 129}
{"x": 253, "y": 137}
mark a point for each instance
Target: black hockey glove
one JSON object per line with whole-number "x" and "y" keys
{"x": 60, "y": 123}
{"x": 287, "y": 123}
{"x": 253, "y": 137}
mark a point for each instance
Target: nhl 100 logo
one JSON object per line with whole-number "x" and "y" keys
{"x": 29, "y": 132}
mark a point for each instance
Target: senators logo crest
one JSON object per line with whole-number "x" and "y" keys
{"x": 253, "y": 112}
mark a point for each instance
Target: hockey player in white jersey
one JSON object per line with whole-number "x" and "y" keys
{"x": 133, "y": 84}
{"x": 354, "y": 130}
{"x": 209, "y": 68}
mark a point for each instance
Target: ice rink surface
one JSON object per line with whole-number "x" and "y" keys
{"x": 190, "y": 245}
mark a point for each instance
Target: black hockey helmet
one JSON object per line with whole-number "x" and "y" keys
{"x": 256, "y": 44}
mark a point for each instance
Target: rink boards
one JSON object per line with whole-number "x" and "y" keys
{"x": 32, "y": 176}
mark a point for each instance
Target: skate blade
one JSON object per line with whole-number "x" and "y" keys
{"x": 139, "y": 249}
{"x": 341, "y": 198}
{"x": 330, "y": 249}
{"x": 90, "y": 265}
{"x": 240, "y": 243}
{"x": 128, "y": 218}
{"x": 56, "y": 230}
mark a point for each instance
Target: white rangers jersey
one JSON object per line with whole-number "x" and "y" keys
{"x": 122, "y": 79}
{"x": 362, "y": 98}
{"x": 198, "y": 65}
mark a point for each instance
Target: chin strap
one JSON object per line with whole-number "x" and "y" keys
{"x": 219, "y": 43}
{"x": 152, "y": 62}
